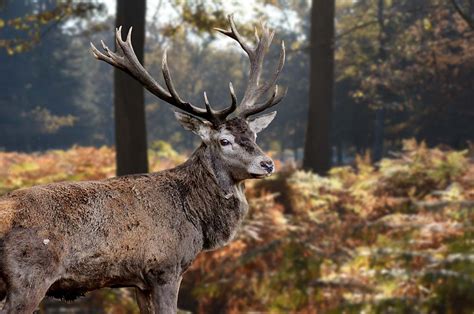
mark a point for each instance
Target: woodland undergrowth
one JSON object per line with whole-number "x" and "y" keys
{"x": 394, "y": 237}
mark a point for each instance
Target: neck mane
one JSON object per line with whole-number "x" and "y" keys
{"x": 205, "y": 158}
{"x": 211, "y": 199}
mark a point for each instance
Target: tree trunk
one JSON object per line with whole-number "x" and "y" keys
{"x": 317, "y": 155}
{"x": 379, "y": 126}
{"x": 129, "y": 98}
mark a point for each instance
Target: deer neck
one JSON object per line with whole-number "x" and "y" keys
{"x": 215, "y": 203}
{"x": 207, "y": 159}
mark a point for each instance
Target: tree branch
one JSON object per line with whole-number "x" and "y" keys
{"x": 355, "y": 28}
{"x": 468, "y": 19}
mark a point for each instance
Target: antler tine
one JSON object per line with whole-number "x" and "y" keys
{"x": 255, "y": 90}
{"x": 220, "y": 115}
{"x": 276, "y": 97}
{"x": 256, "y": 34}
{"x": 281, "y": 62}
{"x": 234, "y": 98}
{"x": 234, "y": 34}
{"x": 167, "y": 77}
{"x": 126, "y": 60}
{"x": 207, "y": 104}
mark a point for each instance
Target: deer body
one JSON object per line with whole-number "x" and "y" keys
{"x": 142, "y": 231}
{"x": 125, "y": 231}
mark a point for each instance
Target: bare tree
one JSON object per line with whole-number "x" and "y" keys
{"x": 317, "y": 155}
{"x": 129, "y": 98}
{"x": 379, "y": 123}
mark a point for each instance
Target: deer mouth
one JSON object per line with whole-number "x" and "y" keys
{"x": 260, "y": 175}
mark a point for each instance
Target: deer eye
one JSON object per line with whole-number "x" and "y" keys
{"x": 224, "y": 142}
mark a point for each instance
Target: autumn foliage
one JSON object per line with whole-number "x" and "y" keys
{"x": 397, "y": 237}
{"x": 393, "y": 237}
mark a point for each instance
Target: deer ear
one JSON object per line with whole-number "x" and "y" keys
{"x": 261, "y": 122}
{"x": 197, "y": 126}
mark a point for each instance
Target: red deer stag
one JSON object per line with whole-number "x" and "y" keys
{"x": 143, "y": 231}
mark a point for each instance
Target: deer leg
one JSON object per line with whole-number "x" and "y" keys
{"x": 165, "y": 296}
{"x": 27, "y": 285}
{"x": 29, "y": 266}
{"x": 3, "y": 289}
{"x": 25, "y": 299}
{"x": 145, "y": 301}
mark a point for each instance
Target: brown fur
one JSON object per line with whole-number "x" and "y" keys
{"x": 144, "y": 231}
{"x": 6, "y": 215}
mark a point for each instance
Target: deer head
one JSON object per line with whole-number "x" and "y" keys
{"x": 231, "y": 141}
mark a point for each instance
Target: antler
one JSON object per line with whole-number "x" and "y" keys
{"x": 126, "y": 60}
{"x": 255, "y": 90}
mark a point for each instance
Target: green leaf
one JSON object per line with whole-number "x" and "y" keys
{"x": 427, "y": 24}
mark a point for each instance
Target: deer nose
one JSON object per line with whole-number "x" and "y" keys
{"x": 267, "y": 165}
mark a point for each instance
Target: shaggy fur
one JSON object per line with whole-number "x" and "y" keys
{"x": 144, "y": 231}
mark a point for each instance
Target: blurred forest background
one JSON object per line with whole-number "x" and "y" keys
{"x": 379, "y": 104}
